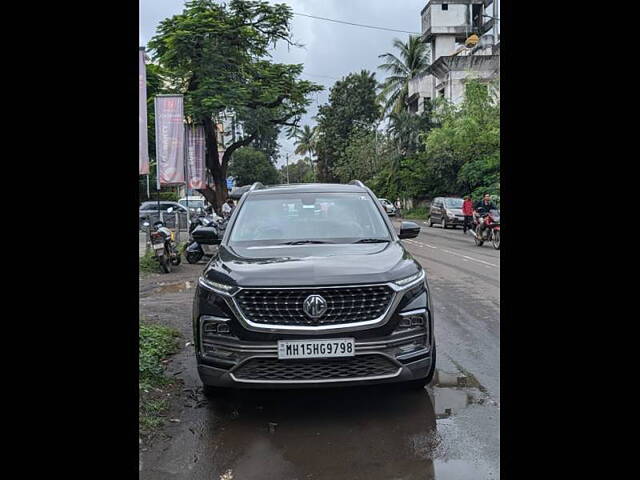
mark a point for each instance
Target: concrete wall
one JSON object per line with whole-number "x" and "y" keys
{"x": 456, "y": 16}
{"x": 422, "y": 85}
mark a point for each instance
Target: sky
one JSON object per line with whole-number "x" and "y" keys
{"x": 331, "y": 50}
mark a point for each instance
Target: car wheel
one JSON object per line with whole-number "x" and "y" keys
{"x": 444, "y": 223}
{"x": 430, "y": 222}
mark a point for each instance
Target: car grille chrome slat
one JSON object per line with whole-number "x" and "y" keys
{"x": 285, "y": 306}
{"x": 322, "y": 369}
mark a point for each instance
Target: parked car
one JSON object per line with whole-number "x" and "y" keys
{"x": 311, "y": 286}
{"x": 388, "y": 206}
{"x": 446, "y": 211}
{"x": 196, "y": 203}
{"x": 148, "y": 212}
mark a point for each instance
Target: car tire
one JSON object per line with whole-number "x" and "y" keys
{"x": 430, "y": 222}
{"x": 444, "y": 223}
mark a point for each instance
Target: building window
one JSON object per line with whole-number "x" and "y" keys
{"x": 445, "y": 6}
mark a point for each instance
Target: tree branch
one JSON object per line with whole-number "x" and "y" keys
{"x": 234, "y": 146}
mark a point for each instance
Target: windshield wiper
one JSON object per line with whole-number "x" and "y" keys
{"x": 371, "y": 240}
{"x": 303, "y": 242}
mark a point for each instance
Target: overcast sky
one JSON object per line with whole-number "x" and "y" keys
{"x": 331, "y": 50}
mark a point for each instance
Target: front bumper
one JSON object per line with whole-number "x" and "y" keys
{"x": 407, "y": 354}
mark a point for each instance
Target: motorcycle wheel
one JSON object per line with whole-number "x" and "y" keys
{"x": 478, "y": 239}
{"x": 193, "y": 257}
{"x": 177, "y": 259}
{"x": 165, "y": 264}
{"x": 495, "y": 239}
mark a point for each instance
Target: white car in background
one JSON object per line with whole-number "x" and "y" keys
{"x": 196, "y": 203}
{"x": 388, "y": 206}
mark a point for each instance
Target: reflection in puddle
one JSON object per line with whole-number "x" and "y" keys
{"x": 382, "y": 432}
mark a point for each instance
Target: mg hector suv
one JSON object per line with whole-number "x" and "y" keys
{"x": 312, "y": 287}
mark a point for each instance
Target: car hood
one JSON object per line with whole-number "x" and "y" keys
{"x": 311, "y": 265}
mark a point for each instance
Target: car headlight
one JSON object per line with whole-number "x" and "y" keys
{"x": 409, "y": 280}
{"x": 216, "y": 286}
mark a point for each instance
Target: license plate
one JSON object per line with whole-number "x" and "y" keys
{"x": 333, "y": 347}
{"x": 158, "y": 246}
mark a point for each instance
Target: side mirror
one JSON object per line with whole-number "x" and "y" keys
{"x": 409, "y": 230}
{"x": 170, "y": 209}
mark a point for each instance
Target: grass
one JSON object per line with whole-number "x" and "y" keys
{"x": 148, "y": 263}
{"x": 155, "y": 345}
{"x": 419, "y": 213}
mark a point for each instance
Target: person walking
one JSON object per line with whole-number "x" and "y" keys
{"x": 398, "y": 206}
{"x": 467, "y": 211}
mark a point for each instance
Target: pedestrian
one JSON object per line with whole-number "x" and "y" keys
{"x": 398, "y": 206}
{"x": 227, "y": 207}
{"x": 467, "y": 211}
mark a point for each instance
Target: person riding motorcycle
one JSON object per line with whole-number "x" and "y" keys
{"x": 482, "y": 207}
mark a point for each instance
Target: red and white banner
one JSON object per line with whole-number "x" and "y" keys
{"x": 170, "y": 139}
{"x": 143, "y": 157}
{"x": 196, "y": 174}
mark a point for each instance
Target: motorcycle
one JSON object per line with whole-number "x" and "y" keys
{"x": 164, "y": 245}
{"x": 491, "y": 231}
{"x": 200, "y": 230}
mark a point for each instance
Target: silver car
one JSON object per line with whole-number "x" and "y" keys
{"x": 388, "y": 207}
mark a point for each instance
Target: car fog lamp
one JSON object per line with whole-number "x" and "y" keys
{"x": 215, "y": 325}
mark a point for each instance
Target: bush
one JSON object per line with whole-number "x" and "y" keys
{"x": 419, "y": 213}
{"x": 155, "y": 344}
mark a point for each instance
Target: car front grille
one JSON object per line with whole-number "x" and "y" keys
{"x": 274, "y": 370}
{"x": 284, "y": 306}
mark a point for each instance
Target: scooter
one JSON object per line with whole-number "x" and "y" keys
{"x": 164, "y": 245}
{"x": 491, "y": 231}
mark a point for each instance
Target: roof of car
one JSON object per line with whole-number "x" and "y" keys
{"x": 308, "y": 188}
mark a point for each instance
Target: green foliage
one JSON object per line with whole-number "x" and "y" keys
{"x": 419, "y": 213}
{"x": 148, "y": 263}
{"x": 218, "y": 56}
{"x": 299, "y": 172}
{"x": 250, "y": 165}
{"x": 413, "y": 61}
{"x": 352, "y": 105}
{"x": 155, "y": 344}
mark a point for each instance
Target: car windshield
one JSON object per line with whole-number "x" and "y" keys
{"x": 453, "y": 203}
{"x": 192, "y": 203}
{"x": 302, "y": 218}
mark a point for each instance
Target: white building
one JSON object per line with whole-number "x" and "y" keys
{"x": 464, "y": 37}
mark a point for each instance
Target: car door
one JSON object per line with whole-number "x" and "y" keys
{"x": 436, "y": 210}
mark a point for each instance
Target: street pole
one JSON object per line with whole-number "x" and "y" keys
{"x": 287, "y": 168}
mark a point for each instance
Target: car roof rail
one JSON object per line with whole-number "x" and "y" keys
{"x": 256, "y": 186}
{"x": 358, "y": 183}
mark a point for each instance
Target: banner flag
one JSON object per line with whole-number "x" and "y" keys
{"x": 143, "y": 156}
{"x": 196, "y": 174}
{"x": 170, "y": 139}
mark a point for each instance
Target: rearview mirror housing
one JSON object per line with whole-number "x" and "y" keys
{"x": 409, "y": 230}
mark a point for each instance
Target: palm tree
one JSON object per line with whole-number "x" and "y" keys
{"x": 413, "y": 61}
{"x": 306, "y": 143}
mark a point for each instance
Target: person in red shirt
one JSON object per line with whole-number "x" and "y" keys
{"x": 467, "y": 211}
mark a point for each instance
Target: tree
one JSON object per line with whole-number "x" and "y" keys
{"x": 352, "y": 104}
{"x": 299, "y": 172}
{"x": 250, "y": 165}
{"x": 306, "y": 143}
{"x": 218, "y": 56}
{"x": 413, "y": 60}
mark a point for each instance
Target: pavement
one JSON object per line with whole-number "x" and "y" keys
{"x": 448, "y": 431}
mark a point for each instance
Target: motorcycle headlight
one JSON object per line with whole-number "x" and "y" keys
{"x": 403, "y": 282}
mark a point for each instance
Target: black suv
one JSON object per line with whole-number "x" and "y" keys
{"x": 312, "y": 287}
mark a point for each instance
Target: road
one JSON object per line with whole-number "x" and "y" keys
{"x": 448, "y": 431}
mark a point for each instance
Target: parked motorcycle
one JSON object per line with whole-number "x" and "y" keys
{"x": 164, "y": 245}
{"x": 491, "y": 232}
{"x": 202, "y": 229}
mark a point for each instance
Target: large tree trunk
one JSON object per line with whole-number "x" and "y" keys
{"x": 218, "y": 195}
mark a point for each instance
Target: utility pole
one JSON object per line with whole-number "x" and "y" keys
{"x": 287, "y": 168}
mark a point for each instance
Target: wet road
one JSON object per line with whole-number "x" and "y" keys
{"x": 448, "y": 431}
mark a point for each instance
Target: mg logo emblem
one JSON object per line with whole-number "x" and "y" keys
{"x": 315, "y": 306}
